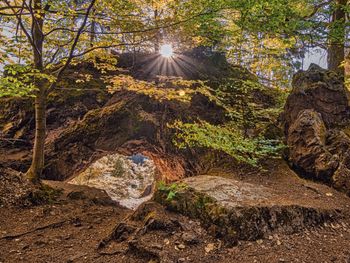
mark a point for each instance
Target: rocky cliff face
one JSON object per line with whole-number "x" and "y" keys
{"x": 316, "y": 123}
{"x": 86, "y": 122}
{"x": 126, "y": 112}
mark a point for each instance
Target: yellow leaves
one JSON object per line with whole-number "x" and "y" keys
{"x": 102, "y": 60}
{"x": 276, "y": 43}
{"x": 84, "y": 78}
{"x": 302, "y": 7}
{"x": 168, "y": 89}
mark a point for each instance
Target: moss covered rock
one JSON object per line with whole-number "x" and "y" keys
{"x": 234, "y": 210}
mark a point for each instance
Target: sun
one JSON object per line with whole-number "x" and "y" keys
{"x": 166, "y": 51}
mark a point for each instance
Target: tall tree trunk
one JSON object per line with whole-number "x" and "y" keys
{"x": 37, "y": 164}
{"x": 347, "y": 65}
{"x": 93, "y": 29}
{"x": 336, "y": 50}
{"x": 158, "y": 34}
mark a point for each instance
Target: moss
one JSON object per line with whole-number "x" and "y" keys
{"x": 149, "y": 217}
{"x": 44, "y": 195}
{"x": 93, "y": 120}
{"x": 200, "y": 206}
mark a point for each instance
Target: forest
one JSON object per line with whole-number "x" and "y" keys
{"x": 174, "y": 131}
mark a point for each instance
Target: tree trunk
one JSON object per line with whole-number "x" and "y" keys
{"x": 158, "y": 34}
{"x": 336, "y": 50}
{"x": 37, "y": 165}
{"x": 347, "y": 66}
{"x": 93, "y": 29}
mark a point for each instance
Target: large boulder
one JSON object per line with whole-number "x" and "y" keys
{"x": 321, "y": 90}
{"x": 236, "y": 210}
{"x": 307, "y": 142}
{"x": 316, "y": 120}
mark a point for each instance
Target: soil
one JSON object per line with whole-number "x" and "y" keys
{"x": 71, "y": 229}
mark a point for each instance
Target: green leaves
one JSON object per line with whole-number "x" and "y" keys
{"x": 171, "y": 190}
{"x": 241, "y": 136}
{"x": 227, "y": 139}
{"x": 18, "y": 81}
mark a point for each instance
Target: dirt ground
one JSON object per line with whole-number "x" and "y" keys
{"x": 71, "y": 229}
{"x": 70, "y": 232}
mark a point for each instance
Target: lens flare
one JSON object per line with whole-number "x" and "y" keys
{"x": 166, "y": 51}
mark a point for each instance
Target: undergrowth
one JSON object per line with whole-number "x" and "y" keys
{"x": 249, "y": 115}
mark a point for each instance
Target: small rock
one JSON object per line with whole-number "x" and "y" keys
{"x": 259, "y": 241}
{"x": 157, "y": 246}
{"x": 210, "y": 247}
{"x": 190, "y": 239}
{"x": 166, "y": 241}
{"x": 181, "y": 246}
{"x": 278, "y": 242}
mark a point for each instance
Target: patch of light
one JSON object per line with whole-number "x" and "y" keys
{"x": 166, "y": 51}
{"x": 126, "y": 179}
{"x": 182, "y": 93}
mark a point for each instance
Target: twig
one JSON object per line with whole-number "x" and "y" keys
{"x": 53, "y": 225}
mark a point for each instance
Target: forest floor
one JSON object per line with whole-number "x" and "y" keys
{"x": 71, "y": 228}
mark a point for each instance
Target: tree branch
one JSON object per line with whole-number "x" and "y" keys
{"x": 19, "y": 19}
{"x": 72, "y": 49}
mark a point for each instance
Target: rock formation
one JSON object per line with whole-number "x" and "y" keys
{"x": 316, "y": 122}
{"x": 236, "y": 210}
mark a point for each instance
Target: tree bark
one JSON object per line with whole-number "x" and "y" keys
{"x": 336, "y": 50}
{"x": 93, "y": 29}
{"x": 37, "y": 165}
{"x": 158, "y": 34}
{"x": 347, "y": 66}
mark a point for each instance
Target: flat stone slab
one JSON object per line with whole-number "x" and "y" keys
{"x": 236, "y": 210}
{"x": 229, "y": 192}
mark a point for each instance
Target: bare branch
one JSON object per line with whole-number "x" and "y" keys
{"x": 75, "y": 42}
{"x": 109, "y": 46}
{"x": 137, "y": 31}
{"x": 19, "y": 19}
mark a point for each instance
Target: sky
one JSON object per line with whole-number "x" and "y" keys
{"x": 317, "y": 56}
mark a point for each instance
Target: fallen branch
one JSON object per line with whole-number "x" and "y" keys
{"x": 115, "y": 252}
{"x": 53, "y": 225}
{"x": 12, "y": 140}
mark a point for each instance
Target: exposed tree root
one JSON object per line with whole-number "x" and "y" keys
{"x": 53, "y": 225}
